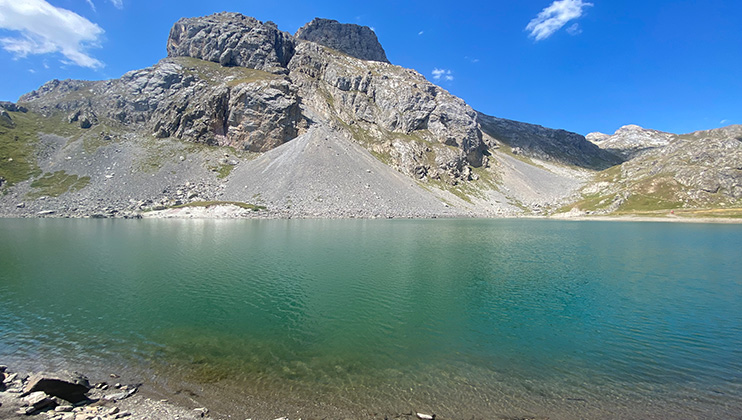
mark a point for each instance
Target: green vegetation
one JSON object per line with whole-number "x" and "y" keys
{"x": 18, "y": 144}
{"x": 17, "y": 148}
{"x": 215, "y": 74}
{"x": 155, "y": 153}
{"x": 222, "y": 170}
{"x": 207, "y": 204}
{"x": 56, "y": 184}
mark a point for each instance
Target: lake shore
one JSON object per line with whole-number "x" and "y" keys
{"x": 28, "y": 395}
{"x": 234, "y": 212}
{"x": 228, "y": 211}
{"x": 112, "y": 400}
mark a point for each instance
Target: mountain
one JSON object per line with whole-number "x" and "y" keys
{"x": 668, "y": 172}
{"x": 315, "y": 124}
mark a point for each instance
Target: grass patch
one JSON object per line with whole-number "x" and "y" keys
{"x": 207, "y": 204}
{"x": 215, "y": 74}
{"x": 590, "y": 202}
{"x": 17, "y": 148}
{"x": 640, "y": 202}
{"x": 18, "y": 144}
{"x": 56, "y": 184}
{"x": 612, "y": 174}
{"x": 222, "y": 170}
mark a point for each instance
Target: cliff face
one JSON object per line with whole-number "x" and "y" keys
{"x": 538, "y": 142}
{"x": 232, "y": 39}
{"x": 183, "y": 98}
{"x": 233, "y": 81}
{"x": 354, "y": 40}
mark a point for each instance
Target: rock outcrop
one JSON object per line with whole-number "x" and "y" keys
{"x": 383, "y": 105}
{"x": 232, "y": 39}
{"x": 355, "y": 40}
{"x": 667, "y": 171}
{"x": 184, "y": 98}
{"x": 631, "y": 141}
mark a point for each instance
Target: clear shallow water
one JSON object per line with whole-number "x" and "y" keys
{"x": 465, "y": 318}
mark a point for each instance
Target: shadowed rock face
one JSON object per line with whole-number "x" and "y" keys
{"x": 354, "y": 40}
{"x": 547, "y": 144}
{"x": 231, "y": 39}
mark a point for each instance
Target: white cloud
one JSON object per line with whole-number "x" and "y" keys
{"x": 47, "y": 29}
{"x": 421, "y": 32}
{"x": 724, "y": 121}
{"x": 444, "y": 74}
{"x": 554, "y": 17}
{"x": 574, "y": 30}
{"x": 118, "y": 3}
{"x": 91, "y": 4}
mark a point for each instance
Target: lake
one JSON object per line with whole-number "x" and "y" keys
{"x": 367, "y": 318}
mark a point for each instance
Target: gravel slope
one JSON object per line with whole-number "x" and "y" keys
{"x": 323, "y": 174}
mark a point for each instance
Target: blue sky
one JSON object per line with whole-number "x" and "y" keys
{"x": 580, "y": 65}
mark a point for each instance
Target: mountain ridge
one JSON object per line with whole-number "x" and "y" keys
{"x": 233, "y": 89}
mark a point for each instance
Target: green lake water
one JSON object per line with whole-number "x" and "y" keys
{"x": 367, "y": 318}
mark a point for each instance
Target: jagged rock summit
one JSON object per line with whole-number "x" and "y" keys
{"x": 631, "y": 140}
{"x": 232, "y": 39}
{"x": 355, "y": 40}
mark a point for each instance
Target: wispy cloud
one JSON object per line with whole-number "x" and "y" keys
{"x": 554, "y": 17}
{"x": 48, "y": 29}
{"x": 421, "y": 32}
{"x": 724, "y": 121}
{"x": 119, "y": 4}
{"x": 442, "y": 74}
{"x": 91, "y": 4}
{"x": 574, "y": 29}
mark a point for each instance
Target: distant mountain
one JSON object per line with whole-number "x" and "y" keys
{"x": 316, "y": 124}
{"x": 664, "y": 171}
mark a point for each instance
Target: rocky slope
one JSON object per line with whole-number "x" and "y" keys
{"x": 668, "y": 171}
{"x": 316, "y": 124}
{"x": 631, "y": 141}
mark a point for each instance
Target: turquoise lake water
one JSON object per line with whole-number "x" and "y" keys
{"x": 366, "y": 318}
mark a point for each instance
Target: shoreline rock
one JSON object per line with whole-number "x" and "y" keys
{"x": 69, "y": 396}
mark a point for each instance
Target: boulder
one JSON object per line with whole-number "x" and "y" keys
{"x": 68, "y": 386}
{"x": 39, "y": 400}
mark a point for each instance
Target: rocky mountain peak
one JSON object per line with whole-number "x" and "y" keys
{"x": 631, "y": 140}
{"x": 232, "y": 39}
{"x": 355, "y": 40}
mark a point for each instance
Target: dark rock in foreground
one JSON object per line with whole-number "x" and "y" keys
{"x": 68, "y": 386}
